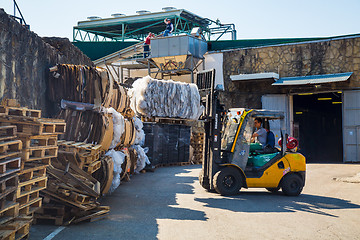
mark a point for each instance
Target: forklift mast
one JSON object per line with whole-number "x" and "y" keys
{"x": 213, "y": 122}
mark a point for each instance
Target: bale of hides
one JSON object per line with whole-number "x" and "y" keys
{"x": 165, "y": 98}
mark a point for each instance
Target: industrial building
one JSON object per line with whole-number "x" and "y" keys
{"x": 314, "y": 80}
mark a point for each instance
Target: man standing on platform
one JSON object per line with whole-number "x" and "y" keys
{"x": 169, "y": 27}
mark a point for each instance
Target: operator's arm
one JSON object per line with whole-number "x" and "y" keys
{"x": 254, "y": 137}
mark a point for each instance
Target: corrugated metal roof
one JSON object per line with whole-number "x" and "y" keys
{"x": 253, "y": 76}
{"x": 313, "y": 79}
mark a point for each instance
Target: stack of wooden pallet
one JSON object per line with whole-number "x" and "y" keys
{"x": 11, "y": 224}
{"x": 27, "y": 145}
{"x": 88, "y": 154}
{"x": 71, "y": 195}
{"x": 197, "y": 142}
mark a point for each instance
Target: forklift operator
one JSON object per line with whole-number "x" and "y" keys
{"x": 260, "y": 133}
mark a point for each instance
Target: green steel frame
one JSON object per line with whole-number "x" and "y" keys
{"x": 125, "y": 31}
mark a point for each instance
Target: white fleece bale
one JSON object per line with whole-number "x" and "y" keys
{"x": 165, "y": 98}
{"x": 118, "y": 126}
{"x": 139, "y": 134}
{"x": 142, "y": 159}
{"x": 118, "y": 158}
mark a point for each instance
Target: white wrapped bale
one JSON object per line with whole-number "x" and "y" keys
{"x": 142, "y": 159}
{"x": 139, "y": 134}
{"x": 118, "y": 158}
{"x": 165, "y": 98}
{"x": 119, "y": 126}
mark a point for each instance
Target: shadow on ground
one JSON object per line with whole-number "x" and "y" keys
{"x": 136, "y": 206}
{"x": 268, "y": 202}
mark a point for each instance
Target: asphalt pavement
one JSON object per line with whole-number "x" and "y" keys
{"x": 170, "y": 204}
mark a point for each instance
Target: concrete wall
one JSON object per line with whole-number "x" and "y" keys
{"x": 215, "y": 60}
{"x": 25, "y": 59}
{"x": 312, "y": 58}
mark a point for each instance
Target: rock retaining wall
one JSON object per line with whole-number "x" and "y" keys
{"x": 312, "y": 58}
{"x": 25, "y": 59}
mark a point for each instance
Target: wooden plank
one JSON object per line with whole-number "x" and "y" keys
{"x": 91, "y": 216}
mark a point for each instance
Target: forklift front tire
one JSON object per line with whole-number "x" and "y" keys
{"x": 228, "y": 181}
{"x": 201, "y": 180}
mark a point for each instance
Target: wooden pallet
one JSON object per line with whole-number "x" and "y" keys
{"x": 79, "y": 198}
{"x": 93, "y": 167}
{"x": 36, "y": 162}
{"x": 58, "y": 220}
{"x": 30, "y": 207}
{"x": 27, "y": 126}
{"x": 10, "y": 211}
{"x": 80, "y": 147}
{"x": 167, "y": 120}
{"x": 88, "y": 158}
{"x": 8, "y": 187}
{"x": 17, "y": 229}
{"x": 51, "y": 209}
{"x": 173, "y": 164}
{"x": 32, "y": 172}
{"x": 31, "y": 186}
{"x": 7, "y": 133}
{"x": 38, "y": 153}
{"x": 17, "y": 111}
{"x": 9, "y": 166}
{"x": 27, "y": 198}
{"x": 10, "y": 146}
{"x": 53, "y": 196}
{"x": 39, "y": 141}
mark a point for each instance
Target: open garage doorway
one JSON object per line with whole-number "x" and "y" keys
{"x": 318, "y": 126}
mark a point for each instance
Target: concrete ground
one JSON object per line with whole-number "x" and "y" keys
{"x": 170, "y": 204}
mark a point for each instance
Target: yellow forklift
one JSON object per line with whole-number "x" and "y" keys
{"x": 230, "y": 160}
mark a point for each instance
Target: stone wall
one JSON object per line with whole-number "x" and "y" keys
{"x": 25, "y": 59}
{"x": 312, "y": 58}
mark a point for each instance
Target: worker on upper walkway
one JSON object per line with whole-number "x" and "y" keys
{"x": 169, "y": 27}
{"x": 147, "y": 44}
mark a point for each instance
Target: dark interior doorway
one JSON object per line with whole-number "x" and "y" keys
{"x": 318, "y": 126}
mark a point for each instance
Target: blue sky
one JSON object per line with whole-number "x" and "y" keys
{"x": 253, "y": 19}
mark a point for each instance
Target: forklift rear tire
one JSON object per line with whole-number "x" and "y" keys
{"x": 292, "y": 185}
{"x": 228, "y": 181}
